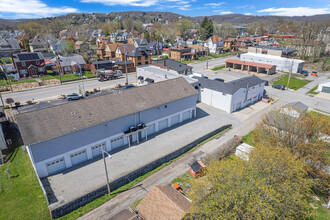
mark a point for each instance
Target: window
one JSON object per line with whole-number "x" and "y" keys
{"x": 147, "y": 62}
{"x": 23, "y": 64}
{"x": 23, "y": 71}
{"x": 139, "y": 58}
{"x": 139, "y": 63}
{"x": 38, "y": 62}
{"x": 41, "y": 69}
{"x": 146, "y": 57}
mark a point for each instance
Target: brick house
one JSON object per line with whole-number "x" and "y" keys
{"x": 230, "y": 44}
{"x": 181, "y": 52}
{"x": 122, "y": 49}
{"x": 139, "y": 56}
{"x": 29, "y": 64}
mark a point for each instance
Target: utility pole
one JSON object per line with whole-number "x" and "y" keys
{"x": 106, "y": 171}
{"x": 126, "y": 65}
{"x": 58, "y": 67}
{"x": 289, "y": 75}
{"x": 207, "y": 64}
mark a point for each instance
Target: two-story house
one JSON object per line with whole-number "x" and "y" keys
{"x": 137, "y": 42}
{"x": 110, "y": 50}
{"x": 214, "y": 43}
{"x": 38, "y": 44}
{"x": 199, "y": 51}
{"x": 122, "y": 50}
{"x": 181, "y": 53}
{"x": 29, "y": 64}
{"x": 139, "y": 56}
{"x": 154, "y": 48}
{"x": 8, "y": 45}
{"x": 230, "y": 44}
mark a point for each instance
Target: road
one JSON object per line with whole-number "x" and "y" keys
{"x": 54, "y": 91}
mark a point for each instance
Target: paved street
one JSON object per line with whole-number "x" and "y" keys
{"x": 89, "y": 176}
{"x": 54, "y": 91}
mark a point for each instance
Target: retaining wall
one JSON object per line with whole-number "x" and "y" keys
{"x": 75, "y": 204}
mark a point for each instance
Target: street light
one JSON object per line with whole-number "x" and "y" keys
{"x": 105, "y": 168}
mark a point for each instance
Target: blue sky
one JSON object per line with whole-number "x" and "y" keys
{"x": 13, "y": 9}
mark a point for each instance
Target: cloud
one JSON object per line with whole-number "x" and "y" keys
{"x": 141, "y": 3}
{"x": 31, "y": 9}
{"x": 214, "y": 5}
{"x": 248, "y": 13}
{"x": 299, "y": 11}
{"x": 184, "y": 7}
{"x": 225, "y": 12}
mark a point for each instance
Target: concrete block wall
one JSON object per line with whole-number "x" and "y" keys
{"x": 75, "y": 204}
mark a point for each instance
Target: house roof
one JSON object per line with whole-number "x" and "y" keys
{"x": 152, "y": 44}
{"x": 101, "y": 45}
{"x": 299, "y": 106}
{"x": 137, "y": 52}
{"x": 242, "y": 62}
{"x": 124, "y": 215}
{"x": 180, "y": 47}
{"x": 19, "y": 57}
{"x": 198, "y": 47}
{"x": 140, "y": 41}
{"x": 123, "y": 62}
{"x": 229, "y": 87}
{"x": 215, "y": 39}
{"x": 172, "y": 64}
{"x": 9, "y": 41}
{"x": 37, "y": 41}
{"x": 163, "y": 203}
{"x": 44, "y": 124}
{"x": 67, "y": 61}
{"x": 113, "y": 46}
{"x": 104, "y": 64}
{"x": 126, "y": 48}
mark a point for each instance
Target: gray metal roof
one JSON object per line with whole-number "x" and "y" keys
{"x": 67, "y": 61}
{"x": 173, "y": 65}
{"x": 44, "y": 124}
{"x": 229, "y": 87}
{"x": 299, "y": 106}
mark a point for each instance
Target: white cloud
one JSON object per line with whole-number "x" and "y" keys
{"x": 31, "y": 9}
{"x": 184, "y": 7}
{"x": 141, "y": 3}
{"x": 226, "y": 12}
{"x": 248, "y": 13}
{"x": 299, "y": 11}
{"x": 214, "y": 5}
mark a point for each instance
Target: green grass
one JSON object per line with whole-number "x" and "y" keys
{"x": 137, "y": 202}
{"x": 312, "y": 91}
{"x": 97, "y": 202}
{"x": 6, "y": 58}
{"x": 248, "y": 139}
{"x": 321, "y": 213}
{"x": 218, "y": 67}
{"x": 67, "y": 77}
{"x": 3, "y": 82}
{"x": 214, "y": 55}
{"x": 21, "y": 197}
{"x": 294, "y": 82}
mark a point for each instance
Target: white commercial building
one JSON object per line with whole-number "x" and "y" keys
{"x": 281, "y": 63}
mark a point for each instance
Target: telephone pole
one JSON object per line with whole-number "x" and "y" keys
{"x": 287, "y": 87}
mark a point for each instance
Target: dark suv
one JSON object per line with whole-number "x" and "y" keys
{"x": 278, "y": 86}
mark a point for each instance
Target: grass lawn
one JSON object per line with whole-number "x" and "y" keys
{"x": 184, "y": 181}
{"x": 3, "y": 82}
{"x": 294, "y": 82}
{"x": 214, "y": 55}
{"x": 322, "y": 213}
{"x": 248, "y": 139}
{"x": 312, "y": 91}
{"x": 67, "y": 77}
{"x": 21, "y": 197}
{"x": 218, "y": 67}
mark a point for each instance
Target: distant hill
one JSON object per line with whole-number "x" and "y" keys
{"x": 152, "y": 16}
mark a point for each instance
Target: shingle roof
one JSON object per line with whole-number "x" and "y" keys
{"x": 128, "y": 48}
{"x": 216, "y": 39}
{"x": 40, "y": 125}
{"x": 113, "y": 46}
{"x": 299, "y": 106}
{"x": 163, "y": 203}
{"x": 67, "y": 61}
{"x": 229, "y": 87}
{"x": 242, "y": 62}
{"x": 173, "y": 65}
{"x": 137, "y": 52}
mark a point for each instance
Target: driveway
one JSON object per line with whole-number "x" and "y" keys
{"x": 81, "y": 179}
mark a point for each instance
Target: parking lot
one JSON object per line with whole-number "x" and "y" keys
{"x": 81, "y": 179}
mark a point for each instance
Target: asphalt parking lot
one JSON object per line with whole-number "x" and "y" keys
{"x": 81, "y": 179}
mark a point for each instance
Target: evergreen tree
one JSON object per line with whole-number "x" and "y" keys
{"x": 206, "y": 28}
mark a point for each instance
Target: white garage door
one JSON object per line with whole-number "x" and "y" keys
{"x": 55, "y": 166}
{"x": 175, "y": 119}
{"x": 78, "y": 157}
{"x": 151, "y": 129}
{"x": 97, "y": 150}
{"x": 162, "y": 124}
{"x": 117, "y": 142}
{"x": 186, "y": 115}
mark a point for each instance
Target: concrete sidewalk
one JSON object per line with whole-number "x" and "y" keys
{"x": 315, "y": 82}
{"x": 84, "y": 178}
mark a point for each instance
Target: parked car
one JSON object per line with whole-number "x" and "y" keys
{"x": 278, "y": 86}
{"x": 304, "y": 73}
{"x": 128, "y": 86}
{"x": 218, "y": 79}
{"x": 74, "y": 96}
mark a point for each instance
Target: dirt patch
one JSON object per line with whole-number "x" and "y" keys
{"x": 51, "y": 82}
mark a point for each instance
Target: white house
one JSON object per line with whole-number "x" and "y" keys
{"x": 324, "y": 86}
{"x": 65, "y": 135}
{"x": 294, "y": 109}
{"x": 243, "y": 151}
{"x": 281, "y": 63}
{"x": 214, "y": 43}
{"x": 231, "y": 96}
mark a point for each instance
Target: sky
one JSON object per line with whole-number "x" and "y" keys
{"x": 15, "y": 9}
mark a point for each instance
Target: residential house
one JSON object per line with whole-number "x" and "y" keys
{"x": 245, "y": 42}
{"x": 230, "y": 44}
{"x": 180, "y": 43}
{"x": 191, "y": 41}
{"x": 101, "y": 39}
{"x": 139, "y": 56}
{"x": 294, "y": 109}
{"x": 81, "y": 46}
{"x": 199, "y": 51}
{"x": 122, "y": 50}
{"x": 8, "y": 45}
{"x": 180, "y": 68}
{"x": 215, "y": 44}
{"x": 100, "y": 51}
{"x": 231, "y": 96}
{"x": 101, "y": 65}
{"x": 181, "y": 53}
{"x": 59, "y": 137}
{"x": 154, "y": 48}
{"x": 57, "y": 47}
{"x": 137, "y": 42}
{"x": 110, "y": 50}
{"x": 29, "y": 64}
{"x": 38, "y": 44}
{"x": 163, "y": 203}
{"x": 98, "y": 33}
{"x": 72, "y": 64}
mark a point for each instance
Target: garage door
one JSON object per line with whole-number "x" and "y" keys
{"x": 117, "y": 143}
{"x": 326, "y": 89}
{"x": 97, "y": 150}
{"x": 186, "y": 115}
{"x": 175, "y": 119}
{"x": 78, "y": 157}
{"x": 162, "y": 124}
{"x": 151, "y": 129}
{"x": 55, "y": 166}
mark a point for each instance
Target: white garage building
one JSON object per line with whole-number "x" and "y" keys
{"x": 324, "y": 86}
{"x": 65, "y": 135}
{"x": 231, "y": 96}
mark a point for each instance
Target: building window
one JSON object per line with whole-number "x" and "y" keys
{"x": 41, "y": 69}
{"x": 139, "y": 63}
{"x": 146, "y": 57}
{"x": 139, "y": 58}
{"x": 23, "y": 71}
{"x": 23, "y": 64}
{"x": 37, "y": 62}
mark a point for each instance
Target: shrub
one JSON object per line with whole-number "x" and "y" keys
{"x": 9, "y": 101}
{"x": 6, "y": 106}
